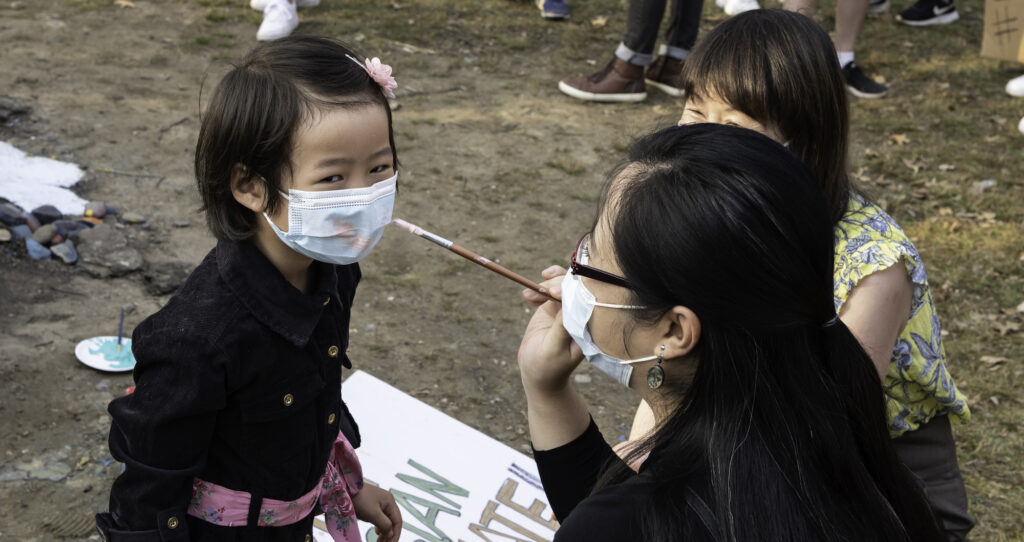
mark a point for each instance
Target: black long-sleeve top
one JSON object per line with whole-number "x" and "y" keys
{"x": 237, "y": 383}
{"x": 614, "y": 513}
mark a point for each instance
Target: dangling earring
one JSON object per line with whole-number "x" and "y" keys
{"x": 656, "y": 375}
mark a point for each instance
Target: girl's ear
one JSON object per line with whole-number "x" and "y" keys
{"x": 247, "y": 190}
{"x": 682, "y": 333}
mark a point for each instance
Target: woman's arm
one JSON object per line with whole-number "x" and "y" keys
{"x": 877, "y": 310}
{"x": 547, "y": 357}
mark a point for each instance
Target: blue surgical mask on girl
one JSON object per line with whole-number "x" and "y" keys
{"x": 337, "y": 226}
{"x": 577, "y": 307}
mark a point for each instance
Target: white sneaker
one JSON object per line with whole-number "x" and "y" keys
{"x": 279, "y": 19}
{"x": 735, "y": 7}
{"x": 260, "y": 5}
{"x": 1016, "y": 87}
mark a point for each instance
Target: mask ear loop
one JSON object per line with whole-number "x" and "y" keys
{"x": 656, "y": 375}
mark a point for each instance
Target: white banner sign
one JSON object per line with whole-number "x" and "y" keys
{"x": 452, "y": 482}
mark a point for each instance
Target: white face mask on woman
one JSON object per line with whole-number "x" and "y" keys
{"x": 577, "y": 307}
{"x": 337, "y": 226}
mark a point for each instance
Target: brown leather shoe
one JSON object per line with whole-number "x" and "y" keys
{"x": 619, "y": 81}
{"x": 664, "y": 75}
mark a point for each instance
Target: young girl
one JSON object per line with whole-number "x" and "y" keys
{"x": 709, "y": 270}
{"x": 236, "y": 429}
{"x": 776, "y": 73}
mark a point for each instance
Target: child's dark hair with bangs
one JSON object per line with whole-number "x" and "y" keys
{"x": 780, "y": 69}
{"x": 255, "y": 112}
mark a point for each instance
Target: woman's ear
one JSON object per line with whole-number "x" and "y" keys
{"x": 682, "y": 333}
{"x": 247, "y": 190}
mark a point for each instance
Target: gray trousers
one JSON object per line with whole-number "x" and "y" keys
{"x": 930, "y": 453}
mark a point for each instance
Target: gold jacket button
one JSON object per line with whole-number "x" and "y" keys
{"x": 332, "y": 351}
{"x": 327, "y": 301}
{"x": 288, "y": 399}
{"x": 309, "y": 537}
{"x": 172, "y": 522}
{"x": 330, "y": 419}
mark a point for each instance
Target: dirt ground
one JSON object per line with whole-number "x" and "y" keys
{"x": 491, "y": 157}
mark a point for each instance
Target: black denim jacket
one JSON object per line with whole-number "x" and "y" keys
{"x": 237, "y": 383}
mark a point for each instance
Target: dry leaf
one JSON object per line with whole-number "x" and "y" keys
{"x": 1020, "y": 308}
{"x": 914, "y": 165}
{"x": 1006, "y": 327}
{"x": 124, "y": 3}
{"x": 599, "y": 21}
{"x": 899, "y": 139}
{"x": 992, "y": 360}
{"x": 994, "y": 400}
{"x": 946, "y": 167}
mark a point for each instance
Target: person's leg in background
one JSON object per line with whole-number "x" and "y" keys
{"x": 850, "y": 16}
{"x": 929, "y": 12}
{"x": 684, "y": 24}
{"x": 553, "y": 10}
{"x": 622, "y": 80}
{"x": 280, "y": 17}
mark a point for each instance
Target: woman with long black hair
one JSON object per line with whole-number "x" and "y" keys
{"x": 709, "y": 269}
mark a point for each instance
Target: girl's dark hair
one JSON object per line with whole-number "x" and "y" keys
{"x": 782, "y": 428}
{"x": 780, "y": 68}
{"x": 254, "y": 114}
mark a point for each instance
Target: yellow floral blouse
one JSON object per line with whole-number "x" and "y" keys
{"x": 918, "y": 386}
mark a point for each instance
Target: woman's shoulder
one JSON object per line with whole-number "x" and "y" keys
{"x": 866, "y": 220}
{"x": 610, "y": 515}
{"x": 867, "y": 240}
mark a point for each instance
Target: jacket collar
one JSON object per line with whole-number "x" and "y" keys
{"x": 265, "y": 292}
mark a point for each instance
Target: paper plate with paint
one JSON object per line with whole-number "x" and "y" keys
{"x": 101, "y": 353}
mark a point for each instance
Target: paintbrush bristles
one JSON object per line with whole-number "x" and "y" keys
{"x": 411, "y": 228}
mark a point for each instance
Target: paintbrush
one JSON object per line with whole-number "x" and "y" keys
{"x": 474, "y": 257}
{"x": 120, "y": 327}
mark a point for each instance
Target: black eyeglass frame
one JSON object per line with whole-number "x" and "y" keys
{"x": 585, "y": 270}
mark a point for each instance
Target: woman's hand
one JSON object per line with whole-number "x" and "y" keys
{"x": 547, "y": 354}
{"x": 547, "y": 357}
{"x": 378, "y": 507}
{"x": 552, "y": 283}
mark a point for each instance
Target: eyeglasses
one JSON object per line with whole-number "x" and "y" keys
{"x": 585, "y": 270}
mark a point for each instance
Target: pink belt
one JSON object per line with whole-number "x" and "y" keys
{"x": 342, "y": 480}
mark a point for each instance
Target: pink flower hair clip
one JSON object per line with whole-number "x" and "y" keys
{"x": 379, "y": 72}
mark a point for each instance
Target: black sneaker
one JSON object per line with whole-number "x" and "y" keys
{"x": 929, "y": 12}
{"x": 860, "y": 85}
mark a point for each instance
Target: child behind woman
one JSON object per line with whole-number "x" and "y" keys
{"x": 236, "y": 429}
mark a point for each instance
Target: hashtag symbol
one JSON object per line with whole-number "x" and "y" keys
{"x": 1005, "y": 25}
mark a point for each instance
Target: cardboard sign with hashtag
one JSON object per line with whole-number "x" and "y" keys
{"x": 1004, "y": 30}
